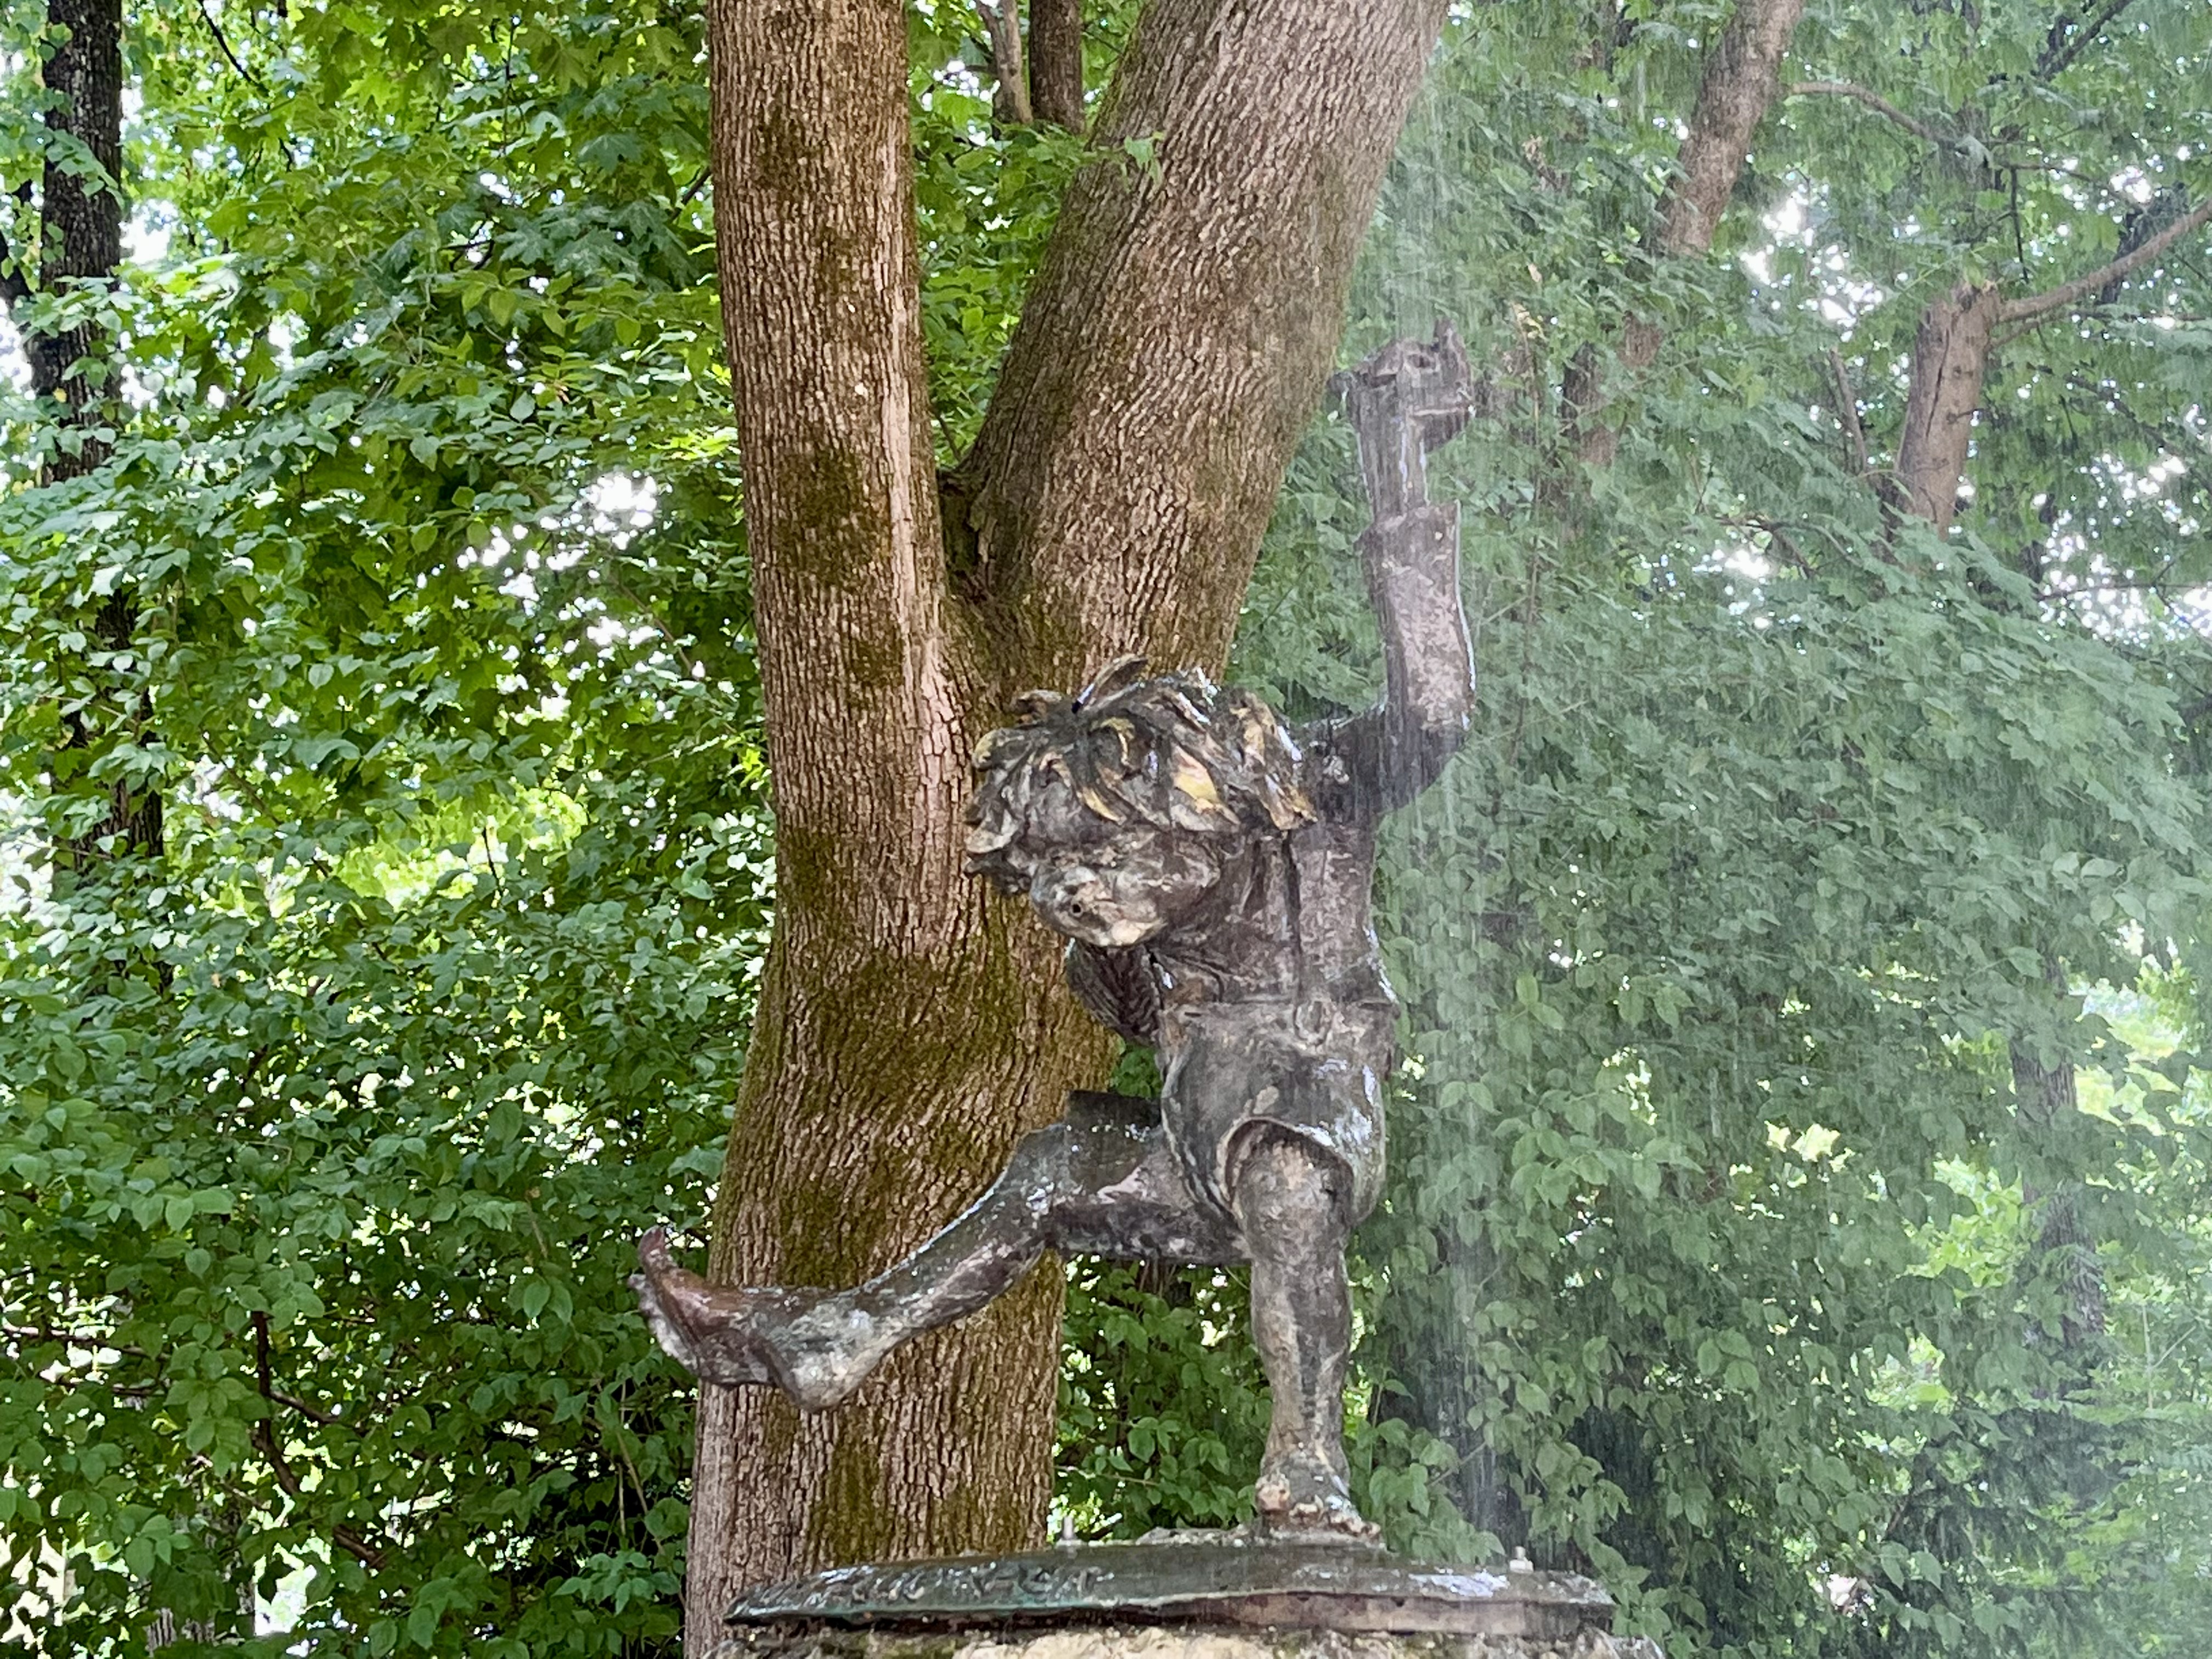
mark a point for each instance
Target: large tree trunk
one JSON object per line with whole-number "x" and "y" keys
{"x": 911, "y": 1024}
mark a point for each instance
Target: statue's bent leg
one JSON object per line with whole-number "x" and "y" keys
{"x": 1293, "y": 1206}
{"x": 1102, "y": 1180}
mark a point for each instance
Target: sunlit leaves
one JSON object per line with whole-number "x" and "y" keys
{"x": 436, "y": 998}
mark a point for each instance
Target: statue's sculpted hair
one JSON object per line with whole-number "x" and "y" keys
{"x": 1173, "y": 751}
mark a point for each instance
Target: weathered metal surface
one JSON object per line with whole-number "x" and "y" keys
{"x": 1228, "y": 1580}
{"x": 1210, "y": 867}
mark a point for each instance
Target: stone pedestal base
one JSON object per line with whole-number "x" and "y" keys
{"x": 1190, "y": 1595}
{"x": 1171, "y": 1641}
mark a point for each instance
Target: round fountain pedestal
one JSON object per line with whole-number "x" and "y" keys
{"x": 1192, "y": 1596}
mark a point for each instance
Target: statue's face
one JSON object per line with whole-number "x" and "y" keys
{"x": 1119, "y": 884}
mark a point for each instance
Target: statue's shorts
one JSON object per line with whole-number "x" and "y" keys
{"x": 1234, "y": 1071}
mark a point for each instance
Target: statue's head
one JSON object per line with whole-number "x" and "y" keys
{"x": 1117, "y": 810}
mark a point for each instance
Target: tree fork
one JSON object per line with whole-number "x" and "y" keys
{"x": 911, "y": 1024}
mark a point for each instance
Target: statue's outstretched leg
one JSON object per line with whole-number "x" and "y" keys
{"x": 1293, "y": 1203}
{"x": 1101, "y": 1181}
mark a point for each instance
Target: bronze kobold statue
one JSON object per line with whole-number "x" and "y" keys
{"x": 1210, "y": 867}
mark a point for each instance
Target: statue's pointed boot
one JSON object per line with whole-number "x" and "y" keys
{"x": 791, "y": 1340}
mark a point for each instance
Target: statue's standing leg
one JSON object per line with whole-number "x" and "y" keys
{"x": 1100, "y": 1181}
{"x": 1292, "y": 1206}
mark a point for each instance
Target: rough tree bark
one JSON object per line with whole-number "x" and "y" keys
{"x": 911, "y": 1025}
{"x": 1741, "y": 77}
{"x": 80, "y": 242}
{"x": 1056, "y": 62}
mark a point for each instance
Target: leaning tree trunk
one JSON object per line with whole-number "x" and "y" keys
{"x": 1741, "y": 77}
{"x": 911, "y": 1024}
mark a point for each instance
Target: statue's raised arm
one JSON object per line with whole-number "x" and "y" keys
{"x": 1212, "y": 875}
{"x": 1403, "y": 402}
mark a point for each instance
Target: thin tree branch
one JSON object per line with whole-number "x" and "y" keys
{"x": 1847, "y": 403}
{"x": 1956, "y": 144}
{"x": 2060, "y": 49}
{"x": 215, "y": 29}
{"x": 1874, "y": 101}
{"x": 2042, "y": 305}
{"x": 346, "y": 1538}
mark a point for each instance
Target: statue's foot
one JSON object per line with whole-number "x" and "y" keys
{"x": 733, "y": 1334}
{"x": 1303, "y": 1495}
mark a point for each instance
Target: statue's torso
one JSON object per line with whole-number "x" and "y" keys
{"x": 1279, "y": 1013}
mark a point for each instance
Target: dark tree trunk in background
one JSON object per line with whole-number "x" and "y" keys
{"x": 1056, "y": 62}
{"x": 1742, "y": 74}
{"x": 911, "y": 1023}
{"x": 80, "y": 220}
{"x": 80, "y": 242}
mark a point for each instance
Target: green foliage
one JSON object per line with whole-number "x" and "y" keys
{"x": 1716, "y": 1243}
{"x": 1163, "y": 1409}
{"x": 1716, "y": 1258}
{"x": 326, "y": 1131}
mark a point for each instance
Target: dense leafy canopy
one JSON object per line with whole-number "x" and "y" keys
{"x": 325, "y": 1133}
{"x": 1719, "y": 1255}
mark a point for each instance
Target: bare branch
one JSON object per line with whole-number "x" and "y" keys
{"x": 215, "y": 29}
{"x": 2037, "y": 306}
